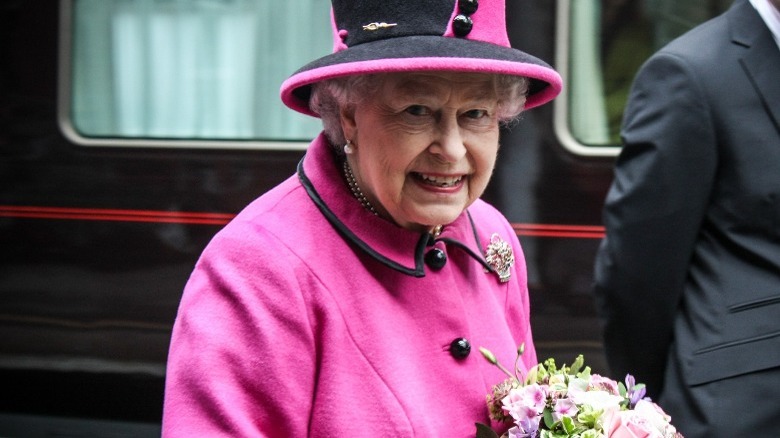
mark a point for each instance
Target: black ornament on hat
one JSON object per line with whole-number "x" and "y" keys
{"x": 468, "y": 7}
{"x": 462, "y": 23}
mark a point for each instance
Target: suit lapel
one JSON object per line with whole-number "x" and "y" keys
{"x": 762, "y": 57}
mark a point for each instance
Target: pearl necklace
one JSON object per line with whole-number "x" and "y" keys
{"x": 356, "y": 192}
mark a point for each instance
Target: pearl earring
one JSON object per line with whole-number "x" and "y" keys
{"x": 348, "y": 149}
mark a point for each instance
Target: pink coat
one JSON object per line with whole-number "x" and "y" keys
{"x": 309, "y": 316}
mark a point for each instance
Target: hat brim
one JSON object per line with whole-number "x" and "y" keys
{"x": 423, "y": 53}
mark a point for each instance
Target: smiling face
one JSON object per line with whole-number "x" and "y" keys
{"x": 424, "y": 145}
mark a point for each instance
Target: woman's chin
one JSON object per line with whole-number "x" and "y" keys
{"x": 430, "y": 216}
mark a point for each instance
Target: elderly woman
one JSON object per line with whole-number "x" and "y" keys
{"x": 347, "y": 301}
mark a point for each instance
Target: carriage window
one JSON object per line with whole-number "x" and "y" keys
{"x": 602, "y": 44}
{"x": 191, "y": 69}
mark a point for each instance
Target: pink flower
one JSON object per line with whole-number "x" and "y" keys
{"x": 648, "y": 420}
{"x": 656, "y": 416}
{"x": 525, "y": 402}
{"x": 564, "y": 407}
{"x": 598, "y": 382}
{"x": 525, "y": 429}
{"x": 627, "y": 425}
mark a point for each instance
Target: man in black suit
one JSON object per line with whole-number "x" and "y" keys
{"x": 688, "y": 276}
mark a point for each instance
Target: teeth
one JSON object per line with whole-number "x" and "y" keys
{"x": 440, "y": 181}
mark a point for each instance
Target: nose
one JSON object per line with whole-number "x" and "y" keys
{"x": 448, "y": 143}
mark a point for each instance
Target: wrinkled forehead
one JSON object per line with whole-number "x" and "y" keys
{"x": 466, "y": 85}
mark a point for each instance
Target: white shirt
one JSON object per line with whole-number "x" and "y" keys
{"x": 770, "y": 15}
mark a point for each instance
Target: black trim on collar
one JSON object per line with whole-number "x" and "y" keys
{"x": 417, "y": 271}
{"x": 464, "y": 247}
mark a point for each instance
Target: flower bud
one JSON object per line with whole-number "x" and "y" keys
{"x": 488, "y": 355}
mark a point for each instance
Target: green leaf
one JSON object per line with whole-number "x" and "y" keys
{"x": 568, "y": 425}
{"x": 533, "y": 375}
{"x": 484, "y": 431}
{"x": 548, "y": 418}
{"x": 589, "y": 416}
{"x": 578, "y": 363}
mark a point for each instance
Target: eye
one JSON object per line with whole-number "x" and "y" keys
{"x": 417, "y": 110}
{"x": 476, "y": 114}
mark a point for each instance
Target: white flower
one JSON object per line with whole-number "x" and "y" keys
{"x": 597, "y": 400}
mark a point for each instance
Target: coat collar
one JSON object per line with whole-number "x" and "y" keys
{"x": 761, "y": 61}
{"x": 391, "y": 245}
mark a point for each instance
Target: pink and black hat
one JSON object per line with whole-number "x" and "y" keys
{"x": 386, "y": 36}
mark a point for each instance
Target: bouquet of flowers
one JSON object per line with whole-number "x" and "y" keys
{"x": 570, "y": 401}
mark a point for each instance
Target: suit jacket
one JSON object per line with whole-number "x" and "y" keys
{"x": 688, "y": 276}
{"x": 309, "y": 316}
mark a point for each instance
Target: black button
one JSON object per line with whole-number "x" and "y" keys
{"x": 435, "y": 259}
{"x": 460, "y": 348}
{"x": 468, "y": 7}
{"x": 461, "y": 25}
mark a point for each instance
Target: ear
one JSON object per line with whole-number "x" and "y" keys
{"x": 348, "y": 122}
